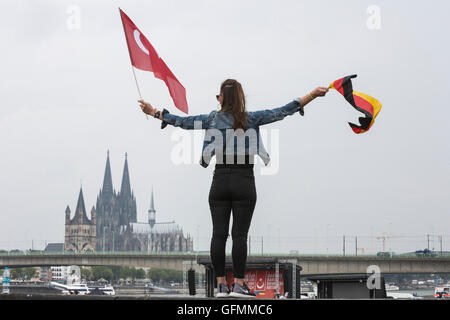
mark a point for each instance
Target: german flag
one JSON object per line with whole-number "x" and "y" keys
{"x": 360, "y": 101}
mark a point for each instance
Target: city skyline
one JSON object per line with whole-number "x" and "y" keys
{"x": 69, "y": 95}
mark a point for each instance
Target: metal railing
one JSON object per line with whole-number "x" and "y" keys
{"x": 195, "y": 254}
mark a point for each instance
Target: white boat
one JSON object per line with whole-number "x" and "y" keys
{"x": 75, "y": 289}
{"x": 442, "y": 292}
{"x": 401, "y": 295}
{"x": 308, "y": 295}
{"x": 107, "y": 289}
{"x": 83, "y": 289}
{"x": 391, "y": 287}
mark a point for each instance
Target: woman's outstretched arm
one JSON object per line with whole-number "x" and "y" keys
{"x": 263, "y": 117}
{"x": 191, "y": 122}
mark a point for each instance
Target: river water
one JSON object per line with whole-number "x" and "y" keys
{"x": 418, "y": 292}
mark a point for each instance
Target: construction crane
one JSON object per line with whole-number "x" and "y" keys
{"x": 384, "y": 237}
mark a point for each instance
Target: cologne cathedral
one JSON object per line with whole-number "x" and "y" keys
{"x": 114, "y": 219}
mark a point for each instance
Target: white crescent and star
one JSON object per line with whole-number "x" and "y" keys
{"x": 258, "y": 286}
{"x": 137, "y": 38}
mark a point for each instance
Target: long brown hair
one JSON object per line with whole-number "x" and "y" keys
{"x": 234, "y": 100}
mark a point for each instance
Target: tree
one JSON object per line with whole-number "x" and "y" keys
{"x": 23, "y": 273}
{"x": 163, "y": 275}
{"x": 133, "y": 273}
{"x": 108, "y": 274}
{"x": 102, "y": 272}
{"x": 124, "y": 273}
{"x": 175, "y": 275}
{"x": 140, "y": 274}
{"x": 86, "y": 273}
{"x": 116, "y": 272}
{"x": 17, "y": 273}
{"x": 30, "y": 273}
{"x": 157, "y": 275}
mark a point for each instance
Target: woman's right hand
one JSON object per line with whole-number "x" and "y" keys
{"x": 319, "y": 92}
{"x": 147, "y": 107}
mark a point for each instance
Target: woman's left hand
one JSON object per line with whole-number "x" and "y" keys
{"x": 319, "y": 91}
{"x": 147, "y": 108}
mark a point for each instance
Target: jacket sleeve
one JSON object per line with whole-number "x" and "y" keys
{"x": 198, "y": 122}
{"x": 263, "y": 117}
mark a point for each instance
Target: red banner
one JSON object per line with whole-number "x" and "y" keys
{"x": 263, "y": 283}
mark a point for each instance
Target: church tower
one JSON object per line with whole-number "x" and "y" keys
{"x": 106, "y": 212}
{"x": 152, "y": 213}
{"x": 80, "y": 232}
{"x": 126, "y": 199}
{"x": 115, "y": 211}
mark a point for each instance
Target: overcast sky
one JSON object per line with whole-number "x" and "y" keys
{"x": 67, "y": 95}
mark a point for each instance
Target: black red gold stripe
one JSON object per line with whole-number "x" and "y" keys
{"x": 368, "y": 105}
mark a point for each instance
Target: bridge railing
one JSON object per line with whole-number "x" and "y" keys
{"x": 193, "y": 254}
{"x": 109, "y": 253}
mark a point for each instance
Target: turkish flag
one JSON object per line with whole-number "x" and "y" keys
{"x": 144, "y": 57}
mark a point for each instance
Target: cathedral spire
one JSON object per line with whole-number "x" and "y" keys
{"x": 125, "y": 189}
{"x": 107, "y": 180}
{"x": 80, "y": 212}
{"x": 152, "y": 212}
{"x": 152, "y": 202}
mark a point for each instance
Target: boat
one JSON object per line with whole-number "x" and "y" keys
{"x": 83, "y": 289}
{"x": 401, "y": 295}
{"x": 308, "y": 295}
{"x": 442, "y": 292}
{"x": 391, "y": 287}
{"x": 75, "y": 289}
{"x": 107, "y": 289}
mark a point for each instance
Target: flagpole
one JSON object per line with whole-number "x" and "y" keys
{"x": 135, "y": 80}
{"x": 137, "y": 85}
{"x": 131, "y": 62}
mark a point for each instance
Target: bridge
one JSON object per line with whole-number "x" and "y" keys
{"x": 311, "y": 264}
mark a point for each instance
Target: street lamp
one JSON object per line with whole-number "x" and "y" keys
{"x": 326, "y": 237}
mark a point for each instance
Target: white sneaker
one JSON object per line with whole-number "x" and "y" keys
{"x": 222, "y": 291}
{"x": 241, "y": 292}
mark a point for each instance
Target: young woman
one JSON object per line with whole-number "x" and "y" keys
{"x": 232, "y": 135}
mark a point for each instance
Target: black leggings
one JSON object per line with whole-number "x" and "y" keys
{"x": 231, "y": 189}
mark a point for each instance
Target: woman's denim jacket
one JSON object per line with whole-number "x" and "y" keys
{"x": 220, "y": 138}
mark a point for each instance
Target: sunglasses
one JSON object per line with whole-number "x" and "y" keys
{"x": 217, "y": 96}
